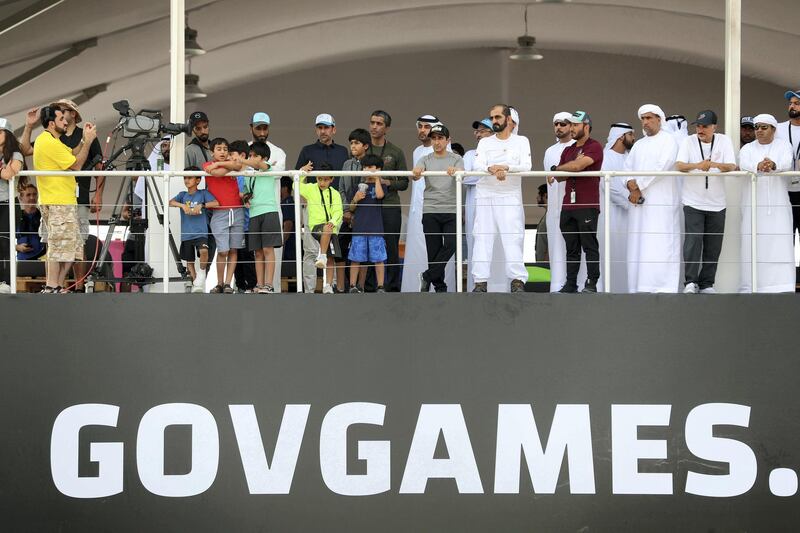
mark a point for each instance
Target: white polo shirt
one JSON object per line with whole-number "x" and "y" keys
{"x": 699, "y": 193}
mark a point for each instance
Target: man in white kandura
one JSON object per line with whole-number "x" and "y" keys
{"x": 654, "y": 233}
{"x": 499, "y": 198}
{"x": 620, "y": 141}
{"x": 555, "y": 196}
{"x": 774, "y": 243}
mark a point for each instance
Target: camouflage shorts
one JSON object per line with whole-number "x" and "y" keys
{"x": 64, "y": 243}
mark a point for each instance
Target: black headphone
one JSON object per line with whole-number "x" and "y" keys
{"x": 48, "y": 114}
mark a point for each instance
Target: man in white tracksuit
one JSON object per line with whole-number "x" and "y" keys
{"x": 620, "y": 141}
{"x": 499, "y": 198}
{"x": 654, "y": 233}
{"x": 555, "y": 197}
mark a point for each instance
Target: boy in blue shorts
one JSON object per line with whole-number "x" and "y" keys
{"x": 367, "y": 244}
{"x": 194, "y": 227}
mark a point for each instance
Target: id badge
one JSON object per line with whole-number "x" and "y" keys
{"x": 572, "y": 196}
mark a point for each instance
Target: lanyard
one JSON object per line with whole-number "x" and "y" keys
{"x": 330, "y": 199}
{"x": 797, "y": 154}
{"x": 710, "y": 152}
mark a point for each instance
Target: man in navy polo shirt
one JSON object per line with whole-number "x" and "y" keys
{"x": 324, "y": 150}
{"x": 581, "y": 205}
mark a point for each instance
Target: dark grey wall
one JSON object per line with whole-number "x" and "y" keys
{"x": 401, "y": 351}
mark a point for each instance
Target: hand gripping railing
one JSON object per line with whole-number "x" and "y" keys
{"x": 458, "y": 176}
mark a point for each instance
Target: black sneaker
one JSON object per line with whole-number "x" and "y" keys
{"x": 380, "y": 289}
{"x": 479, "y": 287}
{"x": 517, "y": 285}
{"x": 424, "y": 284}
{"x": 568, "y": 288}
{"x": 355, "y": 289}
{"x": 590, "y": 287}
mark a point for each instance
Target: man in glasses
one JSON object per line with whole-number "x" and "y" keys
{"x": 766, "y": 156}
{"x": 703, "y": 155}
{"x": 555, "y": 194}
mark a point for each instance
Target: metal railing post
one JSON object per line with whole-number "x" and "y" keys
{"x": 12, "y": 235}
{"x": 753, "y": 234}
{"x": 298, "y": 224}
{"x": 459, "y": 233}
{"x": 165, "y": 251}
{"x": 607, "y": 232}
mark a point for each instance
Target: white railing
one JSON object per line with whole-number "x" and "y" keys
{"x": 459, "y": 177}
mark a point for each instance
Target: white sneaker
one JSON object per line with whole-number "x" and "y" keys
{"x": 708, "y": 290}
{"x": 197, "y": 289}
{"x": 321, "y": 261}
{"x": 690, "y": 288}
{"x": 5, "y": 288}
{"x": 327, "y": 289}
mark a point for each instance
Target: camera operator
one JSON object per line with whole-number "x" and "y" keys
{"x": 73, "y": 137}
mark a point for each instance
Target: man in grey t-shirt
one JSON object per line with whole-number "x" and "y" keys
{"x": 197, "y": 151}
{"x": 438, "y": 208}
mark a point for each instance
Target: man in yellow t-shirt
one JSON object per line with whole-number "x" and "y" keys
{"x": 57, "y": 195}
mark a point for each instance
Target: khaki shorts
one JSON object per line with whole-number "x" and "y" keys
{"x": 64, "y": 243}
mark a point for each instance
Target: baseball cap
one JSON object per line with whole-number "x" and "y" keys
{"x": 325, "y": 119}
{"x": 563, "y": 116}
{"x": 259, "y": 119}
{"x": 580, "y": 117}
{"x": 197, "y": 116}
{"x": 706, "y": 118}
{"x": 439, "y": 129}
{"x": 6, "y": 125}
{"x": 747, "y": 121}
{"x": 790, "y": 93}
{"x": 70, "y": 105}
{"x": 484, "y": 122}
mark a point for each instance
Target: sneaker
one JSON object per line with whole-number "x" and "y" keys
{"x": 196, "y": 289}
{"x": 380, "y": 289}
{"x": 568, "y": 288}
{"x": 355, "y": 289}
{"x": 227, "y": 289}
{"x": 266, "y": 289}
{"x": 321, "y": 261}
{"x": 517, "y": 285}
{"x": 690, "y": 288}
{"x": 590, "y": 287}
{"x": 5, "y": 288}
{"x": 443, "y": 288}
{"x": 480, "y": 286}
{"x": 327, "y": 289}
{"x": 424, "y": 284}
{"x": 708, "y": 290}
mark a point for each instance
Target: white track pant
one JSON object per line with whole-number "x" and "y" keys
{"x": 503, "y": 217}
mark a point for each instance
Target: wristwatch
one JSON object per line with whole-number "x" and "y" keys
{"x": 553, "y": 168}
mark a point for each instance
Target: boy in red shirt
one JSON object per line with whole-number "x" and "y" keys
{"x": 227, "y": 220}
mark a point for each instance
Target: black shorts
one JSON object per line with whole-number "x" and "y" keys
{"x": 334, "y": 249}
{"x": 188, "y": 248}
{"x": 265, "y": 232}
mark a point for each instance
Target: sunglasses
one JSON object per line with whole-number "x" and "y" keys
{"x": 561, "y": 124}
{"x": 763, "y": 127}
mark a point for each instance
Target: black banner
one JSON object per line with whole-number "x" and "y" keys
{"x": 399, "y": 413}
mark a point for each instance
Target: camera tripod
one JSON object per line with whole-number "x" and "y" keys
{"x": 141, "y": 274}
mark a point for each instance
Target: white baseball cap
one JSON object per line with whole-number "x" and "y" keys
{"x": 325, "y": 119}
{"x": 6, "y": 125}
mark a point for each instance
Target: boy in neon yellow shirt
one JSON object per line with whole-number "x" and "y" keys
{"x": 324, "y": 218}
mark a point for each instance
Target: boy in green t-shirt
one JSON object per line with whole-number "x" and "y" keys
{"x": 324, "y": 219}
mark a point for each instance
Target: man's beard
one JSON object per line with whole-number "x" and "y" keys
{"x": 578, "y": 136}
{"x": 61, "y": 131}
{"x": 165, "y": 155}
{"x": 794, "y": 113}
{"x": 497, "y": 128}
{"x": 260, "y": 138}
{"x": 628, "y": 144}
{"x": 203, "y": 138}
